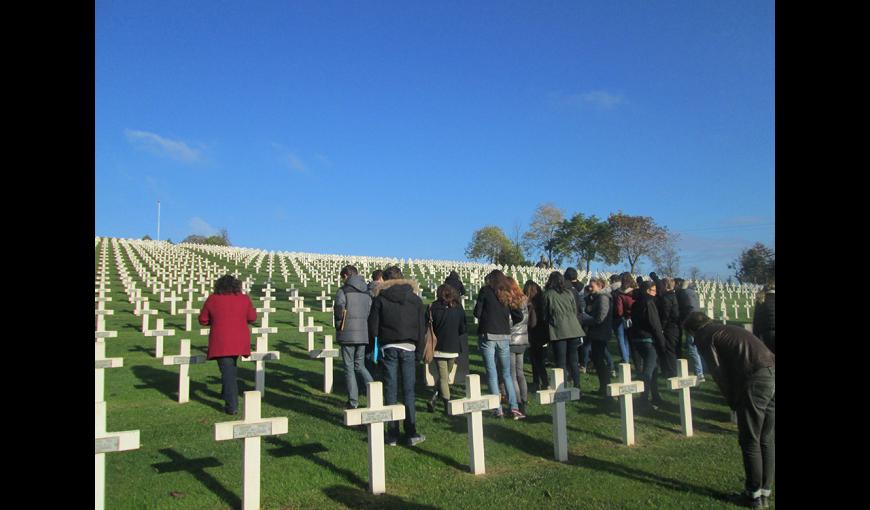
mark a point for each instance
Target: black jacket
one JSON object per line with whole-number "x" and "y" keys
{"x": 456, "y": 283}
{"x": 397, "y": 315}
{"x": 732, "y": 354}
{"x": 645, "y": 322}
{"x": 539, "y": 331}
{"x": 669, "y": 312}
{"x": 687, "y": 300}
{"x": 493, "y": 317}
{"x": 764, "y": 321}
{"x": 448, "y": 325}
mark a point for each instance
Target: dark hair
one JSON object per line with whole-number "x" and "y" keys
{"x": 532, "y": 290}
{"x": 393, "y": 273}
{"x": 501, "y": 285}
{"x": 640, "y": 281}
{"x": 227, "y": 284}
{"x": 678, "y": 283}
{"x": 453, "y": 274}
{"x": 647, "y": 285}
{"x": 447, "y": 295}
{"x": 695, "y": 321}
{"x": 377, "y": 273}
{"x": 570, "y": 274}
{"x": 614, "y": 278}
{"x": 556, "y": 282}
{"x": 348, "y": 271}
{"x": 628, "y": 282}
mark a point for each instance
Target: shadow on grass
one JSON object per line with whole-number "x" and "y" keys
{"x": 166, "y": 382}
{"x": 647, "y": 478}
{"x": 356, "y": 498}
{"x": 308, "y": 452}
{"x": 520, "y": 441}
{"x": 196, "y": 467}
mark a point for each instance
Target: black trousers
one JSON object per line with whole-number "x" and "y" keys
{"x": 756, "y": 431}
{"x": 537, "y": 355}
{"x": 599, "y": 359}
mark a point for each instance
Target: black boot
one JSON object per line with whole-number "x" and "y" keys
{"x": 430, "y": 404}
{"x": 446, "y": 406}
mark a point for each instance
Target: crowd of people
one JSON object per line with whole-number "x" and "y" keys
{"x": 381, "y": 329}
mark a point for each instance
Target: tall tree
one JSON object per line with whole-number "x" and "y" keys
{"x": 589, "y": 238}
{"x": 694, "y": 273}
{"x": 636, "y": 237}
{"x": 488, "y": 243}
{"x": 667, "y": 259}
{"x": 542, "y": 229}
{"x": 755, "y": 265}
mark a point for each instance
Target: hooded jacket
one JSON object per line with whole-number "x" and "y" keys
{"x": 688, "y": 301}
{"x": 599, "y": 321}
{"x": 732, "y": 355}
{"x": 560, "y": 313}
{"x": 352, "y": 306}
{"x": 456, "y": 283}
{"x": 623, "y": 299}
{"x": 397, "y": 314}
{"x": 493, "y": 316}
{"x": 669, "y": 312}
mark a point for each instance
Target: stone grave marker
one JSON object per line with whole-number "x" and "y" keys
{"x": 327, "y": 353}
{"x": 624, "y": 389}
{"x": 682, "y": 382}
{"x": 184, "y": 360}
{"x": 101, "y": 362}
{"x": 158, "y": 335}
{"x": 473, "y": 405}
{"x": 374, "y": 416}
{"x": 559, "y": 396}
{"x": 107, "y": 442}
{"x": 251, "y": 429}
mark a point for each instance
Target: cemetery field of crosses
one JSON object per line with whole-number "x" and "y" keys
{"x": 164, "y": 442}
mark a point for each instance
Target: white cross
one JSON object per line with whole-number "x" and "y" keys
{"x": 251, "y": 429}
{"x": 683, "y": 382}
{"x": 322, "y": 298}
{"x": 188, "y": 312}
{"x": 107, "y": 442}
{"x": 311, "y": 329}
{"x": 559, "y": 396}
{"x": 101, "y": 321}
{"x": 184, "y": 360}
{"x": 159, "y": 333}
{"x": 327, "y": 353}
{"x": 261, "y": 355}
{"x": 172, "y": 300}
{"x": 146, "y": 312}
{"x": 473, "y": 405}
{"x": 624, "y": 389}
{"x": 101, "y": 362}
{"x": 374, "y": 416}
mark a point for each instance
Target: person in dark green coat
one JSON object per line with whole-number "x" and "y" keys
{"x": 560, "y": 313}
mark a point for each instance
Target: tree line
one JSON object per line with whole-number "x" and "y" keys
{"x": 586, "y": 239}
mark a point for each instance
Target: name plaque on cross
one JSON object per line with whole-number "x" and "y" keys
{"x": 109, "y": 363}
{"x": 107, "y": 444}
{"x": 381, "y": 415}
{"x": 625, "y": 390}
{"x": 562, "y": 396}
{"x": 480, "y": 405}
{"x": 252, "y": 430}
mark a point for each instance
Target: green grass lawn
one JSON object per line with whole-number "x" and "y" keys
{"x": 320, "y": 463}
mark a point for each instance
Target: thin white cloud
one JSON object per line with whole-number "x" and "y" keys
{"x": 200, "y": 227}
{"x": 290, "y": 158}
{"x": 597, "y": 98}
{"x": 175, "y": 149}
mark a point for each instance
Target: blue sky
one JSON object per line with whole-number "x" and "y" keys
{"x": 399, "y": 128}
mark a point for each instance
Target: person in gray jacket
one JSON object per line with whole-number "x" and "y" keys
{"x": 353, "y": 303}
{"x": 688, "y": 302}
{"x": 598, "y": 330}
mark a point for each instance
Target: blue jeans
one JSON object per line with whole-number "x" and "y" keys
{"x": 394, "y": 361}
{"x": 489, "y": 349}
{"x": 697, "y": 363}
{"x": 353, "y": 356}
{"x": 622, "y": 339}
{"x": 566, "y": 354}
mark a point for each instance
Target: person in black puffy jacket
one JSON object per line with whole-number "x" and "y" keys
{"x": 649, "y": 340}
{"x": 669, "y": 313}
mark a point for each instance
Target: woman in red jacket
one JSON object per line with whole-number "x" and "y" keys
{"x": 228, "y": 312}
